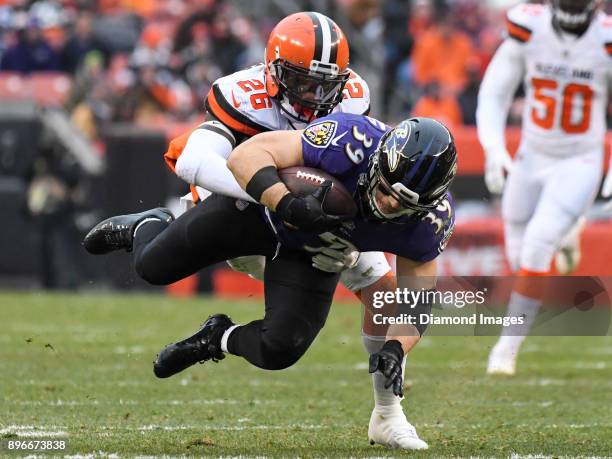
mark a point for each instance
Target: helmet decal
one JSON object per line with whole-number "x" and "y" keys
{"x": 393, "y": 157}
{"x": 402, "y": 131}
{"x": 400, "y": 134}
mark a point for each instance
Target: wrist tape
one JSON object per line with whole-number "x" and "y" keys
{"x": 263, "y": 179}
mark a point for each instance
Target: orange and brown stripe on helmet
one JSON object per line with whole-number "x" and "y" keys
{"x": 331, "y": 51}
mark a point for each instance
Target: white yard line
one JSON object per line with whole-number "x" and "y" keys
{"x": 204, "y": 427}
{"x": 61, "y": 402}
{"x": 129, "y": 350}
{"x": 590, "y": 365}
{"x": 94, "y": 455}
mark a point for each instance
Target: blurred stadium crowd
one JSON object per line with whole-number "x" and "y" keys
{"x": 152, "y": 61}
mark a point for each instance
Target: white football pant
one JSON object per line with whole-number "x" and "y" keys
{"x": 543, "y": 199}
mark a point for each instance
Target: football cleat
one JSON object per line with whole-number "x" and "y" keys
{"x": 568, "y": 257}
{"x": 118, "y": 232}
{"x": 502, "y": 362}
{"x": 200, "y": 347}
{"x": 394, "y": 430}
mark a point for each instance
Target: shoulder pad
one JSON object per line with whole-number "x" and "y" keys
{"x": 522, "y": 20}
{"x": 229, "y": 100}
{"x": 356, "y": 96}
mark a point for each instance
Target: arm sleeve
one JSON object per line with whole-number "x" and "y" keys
{"x": 500, "y": 82}
{"x": 203, "y": 161}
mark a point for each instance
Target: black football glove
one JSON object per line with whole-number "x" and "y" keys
{"x": 307, "y": 212}
{"x": 389, "y": 362}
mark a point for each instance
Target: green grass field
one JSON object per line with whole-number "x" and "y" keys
{"x": 80, "y": 366}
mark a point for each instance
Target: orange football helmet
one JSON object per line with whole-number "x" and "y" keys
{"x": 307, "y": 59}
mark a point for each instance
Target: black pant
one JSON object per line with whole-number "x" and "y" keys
{"x": 297, "y": 296}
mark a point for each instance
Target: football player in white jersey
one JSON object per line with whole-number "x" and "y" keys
{"x": 305, "y": 76}
{"x": 562, "y": 52}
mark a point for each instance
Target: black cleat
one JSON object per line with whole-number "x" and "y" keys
{"x": 118, "y": 232}
{"x": 200, "y": 347}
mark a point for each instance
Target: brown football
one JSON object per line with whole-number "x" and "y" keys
{"x": 303, "y": 181}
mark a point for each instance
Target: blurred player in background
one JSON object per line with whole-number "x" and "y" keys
{"x": 305, "y": 76}
{"x": 562, "y": 52}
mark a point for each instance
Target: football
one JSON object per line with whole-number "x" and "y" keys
{"x": 303, "y": 181}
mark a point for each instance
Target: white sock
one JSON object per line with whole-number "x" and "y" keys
{"x": 146, "y": 220}
{"x": 225, "y": 337}
{"x": 513, "y": 336}
{"x": 385, "y": 401}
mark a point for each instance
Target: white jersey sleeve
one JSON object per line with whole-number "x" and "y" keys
{"x": 501, "y": 80}
{"x": 203, "y": 161}
{"x": 504, "y": 75}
